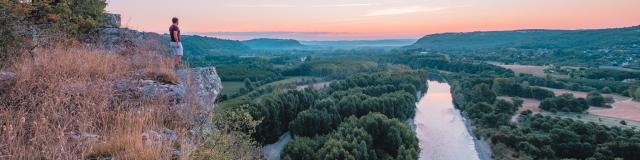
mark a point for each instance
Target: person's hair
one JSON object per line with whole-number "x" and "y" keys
{"x": 174, "y": 19}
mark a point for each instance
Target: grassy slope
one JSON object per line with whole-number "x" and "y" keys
{"x": 231, "y": 87}
{"x": 281, "y": 84}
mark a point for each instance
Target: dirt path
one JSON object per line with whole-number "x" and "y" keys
{"x": 315, "y": 86}
{"x": 528, "y": 104}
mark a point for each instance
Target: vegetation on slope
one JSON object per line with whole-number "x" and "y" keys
{"x": 64, "y": 20}
{"x": 266, "y": 43}
{"x": 531, "y": 39}
{"x": 195, "y": 46}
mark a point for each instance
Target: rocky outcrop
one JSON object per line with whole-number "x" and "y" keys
{"x": 112, "y": 21}
{"x": 197, "y": 87}
{"x": 192, "y": 97}
{"x": 116, "y": 39}
{"x": 206, "y": 83}
{"x": 203, "y": 83}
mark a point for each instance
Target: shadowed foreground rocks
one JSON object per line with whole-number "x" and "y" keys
{"x": 195, "y": 92}
{"x": 7, "y": 79}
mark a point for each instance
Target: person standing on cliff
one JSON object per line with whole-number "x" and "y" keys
{"x": 176, "y": 44}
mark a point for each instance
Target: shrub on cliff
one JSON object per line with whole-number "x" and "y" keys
{"x": 50, "y": 21}
{"x": 75, "y": 17}
{"x": 10, "y": 40}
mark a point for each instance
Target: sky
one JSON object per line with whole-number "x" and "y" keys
{"x": 369, "y": 19}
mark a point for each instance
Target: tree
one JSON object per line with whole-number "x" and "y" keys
{"x": 234, "y": 128}
{"x": 564, "y": 103}
{"x": 483, "y": 93}
{"x": 248, "y": 84}
{"x": 301, "y": 148}
{"x": 312, "y": 122}
{"x": 76, "y": 17}
{"x": 595, "y": 99}
{"x": 87, "y": 15}
{"x": 10, "y": 40}
{"x": 622, "y": 122}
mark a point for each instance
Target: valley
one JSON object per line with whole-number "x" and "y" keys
{"x": 318, "y": 81}
{"x": 499, "y": 110}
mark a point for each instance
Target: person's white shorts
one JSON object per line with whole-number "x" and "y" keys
{"x": 178, "y": 51}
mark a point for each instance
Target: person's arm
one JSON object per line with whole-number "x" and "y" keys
{"x": 175, "y": 36}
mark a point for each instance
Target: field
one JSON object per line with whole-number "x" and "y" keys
{"x": 626, "y": 109}
{"x": 623, "y": 110}
{"x": 623, "y": 107}
{"x": 231, "y": 87}
{"x": 607, "y": 121}
{"x": 528, "y": 69}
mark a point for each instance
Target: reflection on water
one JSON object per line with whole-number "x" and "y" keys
{"x": 273, "y": 151}
{"x": 440, "y": 128}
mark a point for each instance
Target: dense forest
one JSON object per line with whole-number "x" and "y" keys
{"x": 360, "y": 116}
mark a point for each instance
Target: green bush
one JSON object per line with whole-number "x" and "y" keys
{"x": 75, "y": 18}
{"x": 9, "y": 37}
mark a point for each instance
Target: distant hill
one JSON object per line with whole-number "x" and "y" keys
{"x": 590, "y": 39}
{"x": 266, "y": 43}
{"x": 361, "y": 43}
{"x": 199, "y": 45}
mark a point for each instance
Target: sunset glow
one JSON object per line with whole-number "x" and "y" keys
{"x": 373, "y": 19}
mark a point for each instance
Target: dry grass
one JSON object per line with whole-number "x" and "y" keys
{"x": 64, "y": 105}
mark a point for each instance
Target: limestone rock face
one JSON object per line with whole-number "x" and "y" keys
{"x": 119, "y": 39}
{"x": 206, "y": 83}
{"x": 203, "y": 83}
{"x": 116, "y": 39}
{"x": 112, "y": 21}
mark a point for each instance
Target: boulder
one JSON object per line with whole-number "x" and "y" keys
{"x": 112, "y": 21}
{"x": 151, "y": 137}
{"x": 7, "y": 79}
{"x": 205, "y": 82}
{"x": 196, "y": 87}
{"x": 119, "y": 39}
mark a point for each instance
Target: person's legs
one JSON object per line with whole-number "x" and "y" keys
{"x": 178, "y": 51}
{"x": 176, "y": 61}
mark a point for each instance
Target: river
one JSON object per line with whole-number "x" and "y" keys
{"x": 273, "y": 151}
{"x": 440, "y": 128}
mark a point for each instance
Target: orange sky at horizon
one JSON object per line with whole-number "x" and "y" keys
{"x": 375, "y": 19}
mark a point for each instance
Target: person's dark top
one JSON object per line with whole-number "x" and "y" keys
{"x": 171, "y": 30}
